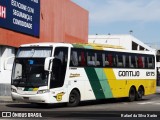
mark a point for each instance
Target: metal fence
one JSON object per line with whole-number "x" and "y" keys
{"x": 5, "y": 89}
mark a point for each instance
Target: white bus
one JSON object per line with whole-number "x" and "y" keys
{"x": 61, "y": 72}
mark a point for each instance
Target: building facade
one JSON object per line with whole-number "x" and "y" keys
{"x": 33, "y": 21}
{"x": 128, "y": 42}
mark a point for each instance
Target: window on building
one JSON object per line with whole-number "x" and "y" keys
{"x": 134, "y": 46}
{"x": 141, "y": 48}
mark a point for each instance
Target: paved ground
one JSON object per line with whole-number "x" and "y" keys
{"x": 104, "y": 109}
{"x": 148, "y": 107}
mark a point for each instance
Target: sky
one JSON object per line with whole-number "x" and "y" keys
{"x": 122, "y": 16}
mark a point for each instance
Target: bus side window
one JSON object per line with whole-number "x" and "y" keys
{"x": 140, "y": 62}
{"x": 98, "y": 59}
{"x": 74, "y": 58}
{"x": 88, "y": 59}
{"x": 136, "y": 61}
{"x": 110, "y": 60}
{"x": 105, "y": 60}
{"x": 146, "y": 62}
{"x": 82, "y": 58}
{"x": 124, "y": 60}
{"x": 91, "y": 58}
{"x": 143, "y": 60}
{"x": 127, "y": 61}
{"x": 150, "y": 62}
{"x": 133, "y": 61}
{"x": 119, "y": 61}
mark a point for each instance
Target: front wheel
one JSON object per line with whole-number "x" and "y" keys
{"x": 74, "y": 98}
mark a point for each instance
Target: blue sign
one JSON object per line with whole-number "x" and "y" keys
{"x": 21, "y": 16}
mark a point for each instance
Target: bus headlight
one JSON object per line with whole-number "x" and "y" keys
{"x": 13, "y": 90}
{"x": 43, "y": 91}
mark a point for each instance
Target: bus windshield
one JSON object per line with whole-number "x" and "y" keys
{"x": 28, "y": 69}
{"x": 29, "y": 73}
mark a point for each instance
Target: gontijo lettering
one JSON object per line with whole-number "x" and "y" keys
{"x": 128, "y": 73}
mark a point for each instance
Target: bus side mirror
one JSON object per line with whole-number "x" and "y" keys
{"x": 47, "y": 63}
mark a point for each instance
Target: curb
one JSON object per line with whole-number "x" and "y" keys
{"x": 9, "y": 101}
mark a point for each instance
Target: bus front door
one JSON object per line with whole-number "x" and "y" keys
{"x": 58, "y": 73}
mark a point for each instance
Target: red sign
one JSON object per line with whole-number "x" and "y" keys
{"x": 2, "y": 12}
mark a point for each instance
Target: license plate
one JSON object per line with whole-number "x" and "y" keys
{"x": 26, "y": 98}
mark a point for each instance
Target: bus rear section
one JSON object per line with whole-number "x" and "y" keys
{"x": 113, "y": 73}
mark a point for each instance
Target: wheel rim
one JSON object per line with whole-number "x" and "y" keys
{"x": 72, "y": 98}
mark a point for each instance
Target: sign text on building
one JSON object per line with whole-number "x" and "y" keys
{"x": 21, "y": 15}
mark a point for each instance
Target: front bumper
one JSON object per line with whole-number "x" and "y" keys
{"x": 37, "y": 98}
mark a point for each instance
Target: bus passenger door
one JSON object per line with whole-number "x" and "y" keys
{"x": 58, "y": 73}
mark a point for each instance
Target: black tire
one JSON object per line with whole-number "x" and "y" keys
{"x": 139, "y": 94}
{"x": 132, "y": 94}
{"x": 74, "y": 98}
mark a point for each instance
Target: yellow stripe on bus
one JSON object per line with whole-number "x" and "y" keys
{"x": 120, "y": 88}
{"x": 35, "y": 89}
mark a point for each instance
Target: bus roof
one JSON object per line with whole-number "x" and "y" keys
{"x": 87, "y": 46}
{"x": 109, "y": 48}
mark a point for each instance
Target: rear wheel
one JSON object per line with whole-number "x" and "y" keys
{"x": 140, "y": 93}
{"x": 74, "y": 98}
{"x": 132, "y": 94}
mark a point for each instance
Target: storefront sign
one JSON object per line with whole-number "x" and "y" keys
{"x": 21, "y": 16}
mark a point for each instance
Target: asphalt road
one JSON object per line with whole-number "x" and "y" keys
{"x": 149, "y": 107}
